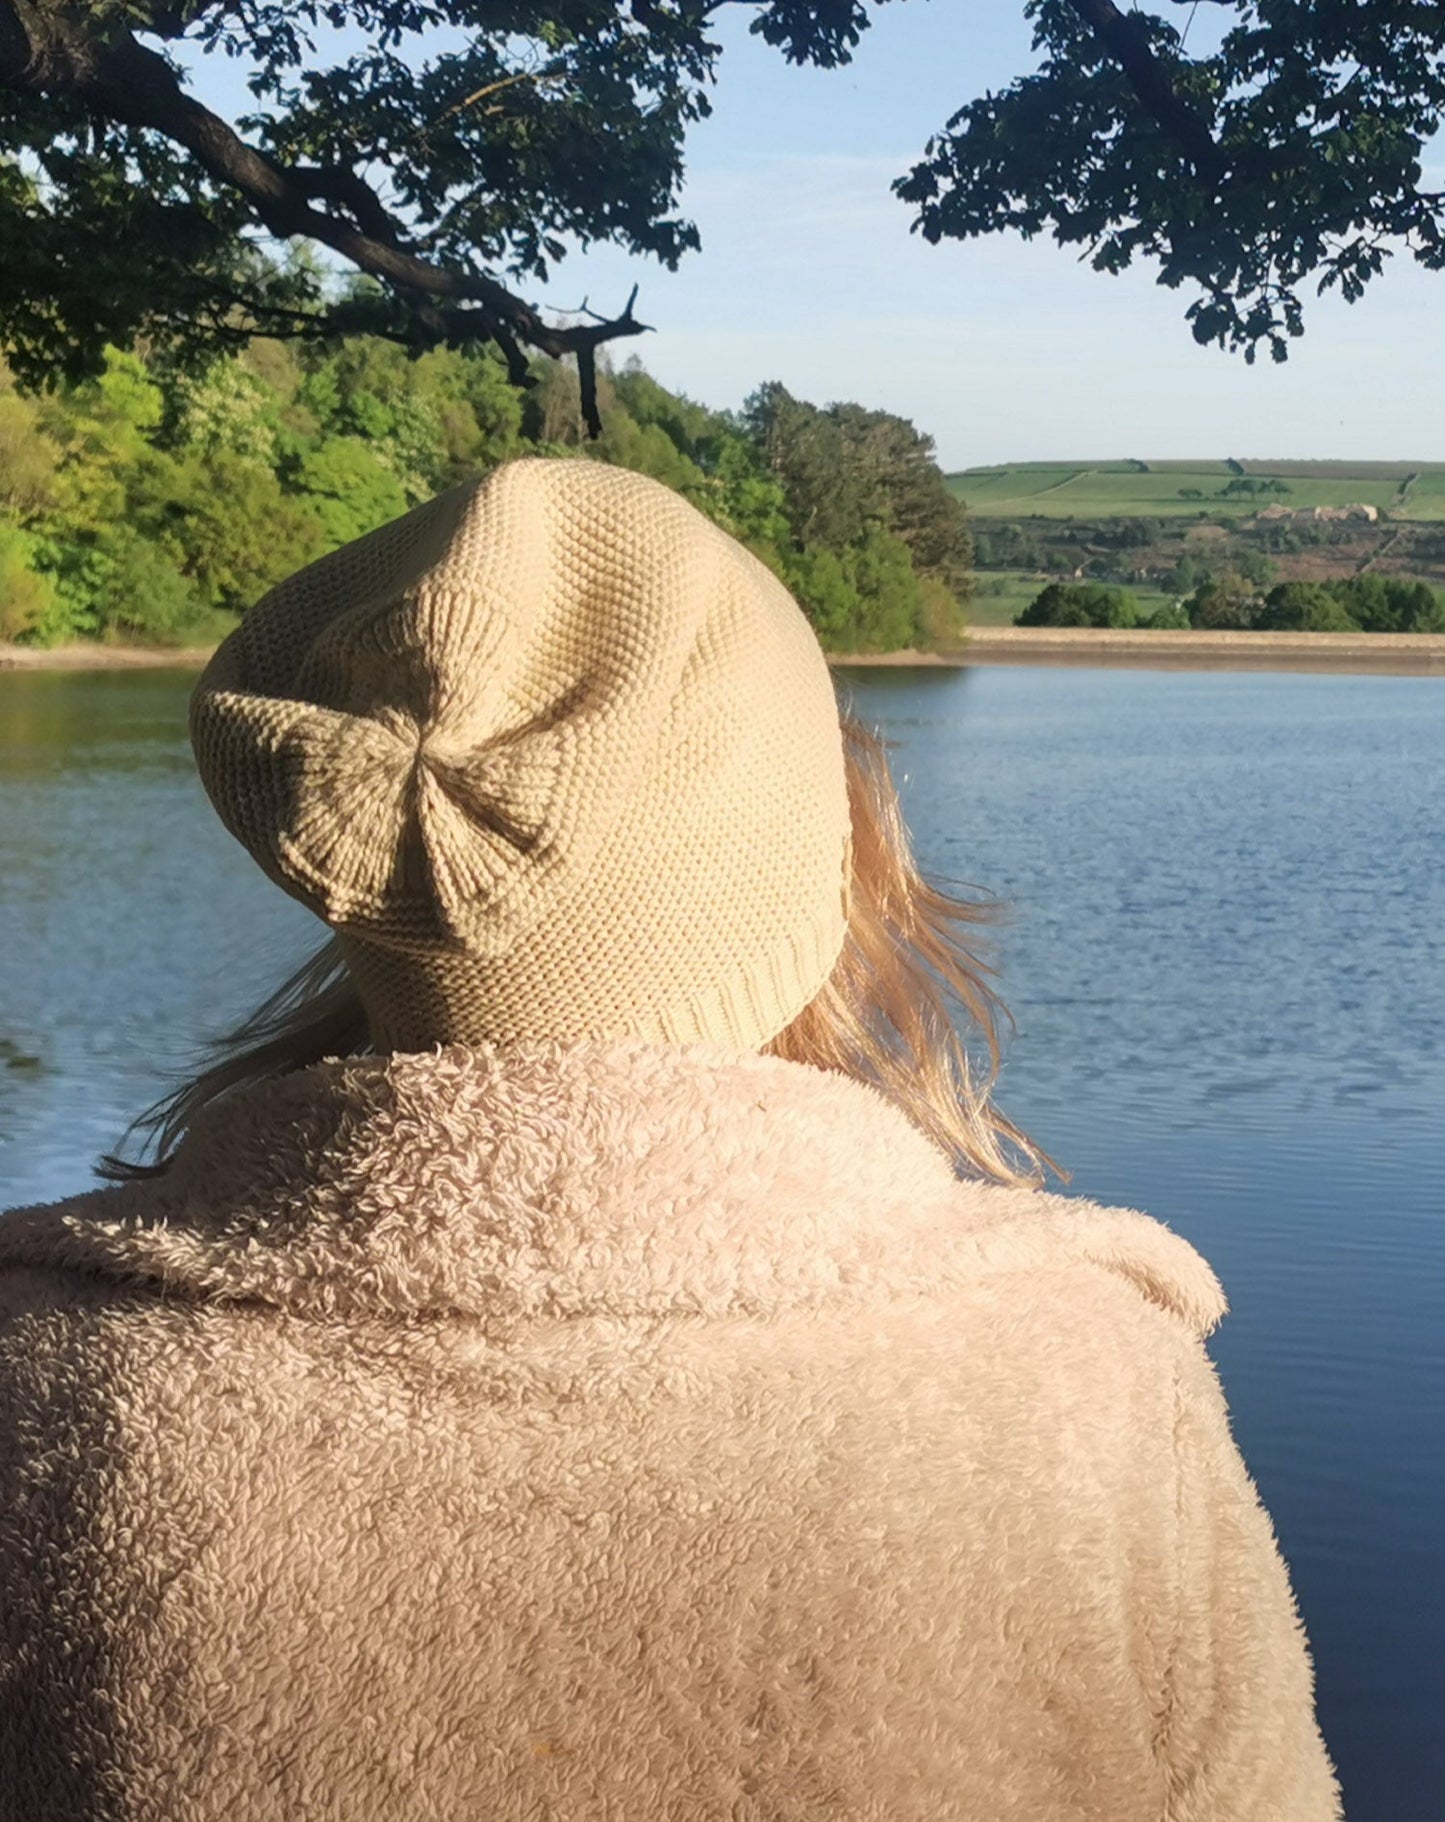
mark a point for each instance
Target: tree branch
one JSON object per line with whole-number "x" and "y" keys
{"x": 62, "y": 52}
{"x": 15, "y": 53}
{"x": 349, "y": 192}
{"x": 1123, "y": 38}
{"x": 589, "y": 338}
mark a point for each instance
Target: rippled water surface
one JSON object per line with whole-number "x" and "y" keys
{"x": 1226, "y": 957}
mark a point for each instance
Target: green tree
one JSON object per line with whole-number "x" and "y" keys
{"x": 1224, "y": 604}
{"x": 1080, "y": 604}
{"x": 691, "y": 428}
{"x": 163, "y": 502}
{"x": 1288, "y": 147}
{"x": 127, "y": 207}
{"x": 102, "y": 431}
{"x": 28, "y": 458}
{"x": 137, "y": 590}
{"x": 828, "y": 595}
{"x": 864, "y": 486}
{"x": 905, "y": 490}
{"x": 232, "y": 530}
{"x": 1250, "y": 484}
{"x": 227, "y": 408}
{"x": 1184, "y": 578}
{"x": 749, "y": 501}
{"x": 85, "y": 544}
{"x": 1306, "y": 607}
{"x": 826, "y": 496}
{"x": 1390, "y": 604}
{"x": 648, "y": 449}
{"x": 349, "y": 489}
{"x": 890, "y": 606}
{"x": 27, "y": 595}
{"x": 1254, "y": 567}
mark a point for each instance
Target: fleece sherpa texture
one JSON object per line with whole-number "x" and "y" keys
{"x": 623, "y": 1433}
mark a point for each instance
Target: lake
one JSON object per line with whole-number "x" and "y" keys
{"x": 1226, "y": 958}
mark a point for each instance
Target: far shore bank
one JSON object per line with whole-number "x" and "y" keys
{"x": 1400, "y": 654}
{"x": 85, "y": 656}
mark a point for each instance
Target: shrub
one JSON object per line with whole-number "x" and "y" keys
{"x": 941, "y": 614}
{"x": 1186, "y": 576}
{"x": 1253, "y": 566}
{"x": 1080, "y": 604}
{"x": 27, "y": 598}
{"x": 1306, "y": 607}
{"x": 827, "y": 595}
{"x": 883, "y": 578}
{"x": 1390, "y": 604}
{"x": 145, "y": 596}
{"x": 1226, "y": 604}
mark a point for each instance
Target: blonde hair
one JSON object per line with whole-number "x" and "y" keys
{"x": 882, "y": 1017}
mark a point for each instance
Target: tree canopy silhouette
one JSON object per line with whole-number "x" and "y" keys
{"x": 448, "y": 148}
{"x": 1289, "y": 149}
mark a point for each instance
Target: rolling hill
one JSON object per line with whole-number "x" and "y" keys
{"x": 1409, "y": 491}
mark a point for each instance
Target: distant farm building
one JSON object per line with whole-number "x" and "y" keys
{"x": 1311, "y": 514}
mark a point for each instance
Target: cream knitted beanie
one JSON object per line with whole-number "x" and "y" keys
{"x": 556, "y": 756}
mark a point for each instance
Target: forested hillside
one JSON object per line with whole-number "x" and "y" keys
{"x": 152, "y": 505}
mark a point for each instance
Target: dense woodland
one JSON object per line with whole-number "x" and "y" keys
{"x": 152, "y": 504}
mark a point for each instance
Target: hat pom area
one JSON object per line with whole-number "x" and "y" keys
{"x": 555, "y": 756}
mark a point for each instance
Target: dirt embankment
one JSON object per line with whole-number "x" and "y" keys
{"x": 1401, "y": 653}
{"x": 95, "y": 657}
{"x": 907, "y": 656}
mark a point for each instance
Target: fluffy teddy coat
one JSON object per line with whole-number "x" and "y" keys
{"x": 619, "y": 1433}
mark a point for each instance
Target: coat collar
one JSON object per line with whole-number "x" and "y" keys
{"x": 598, "y": 1178}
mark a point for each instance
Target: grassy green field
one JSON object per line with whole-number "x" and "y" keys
{"x": 1083, "y": 490}
{"x": 999, "y": 594}
{"x": 1425, "y": 498}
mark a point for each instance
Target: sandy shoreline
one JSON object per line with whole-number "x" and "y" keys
{"x": 1401, "y": 654}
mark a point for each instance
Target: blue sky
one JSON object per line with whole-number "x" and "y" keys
{"x": 1003, "y": 350}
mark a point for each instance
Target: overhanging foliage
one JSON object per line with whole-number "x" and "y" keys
{"x": 449, "y": 153}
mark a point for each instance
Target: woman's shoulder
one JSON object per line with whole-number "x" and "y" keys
{"x": 1054, "y": 1317}
{"x": 44, "y": 1250}
{"x": 35, "y": 1274}
{"x": 1032, "y": 1237}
